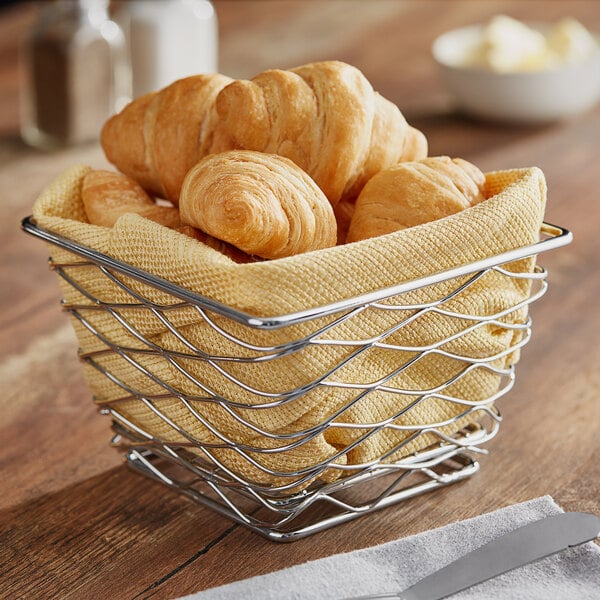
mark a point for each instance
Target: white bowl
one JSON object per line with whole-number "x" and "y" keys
{"x": 533, "y": 97}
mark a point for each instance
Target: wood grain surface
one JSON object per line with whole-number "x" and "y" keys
{"x": 75, "y": 522}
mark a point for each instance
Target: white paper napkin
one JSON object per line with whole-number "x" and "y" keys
{"x": 572, "y": 574}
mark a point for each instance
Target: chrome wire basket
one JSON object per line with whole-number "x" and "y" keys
{"x": 301, "y": 502}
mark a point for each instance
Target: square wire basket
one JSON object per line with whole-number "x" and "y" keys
{"x": 288, "y": 511}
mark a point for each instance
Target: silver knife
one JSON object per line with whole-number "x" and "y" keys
{"x": 514, "y": 549}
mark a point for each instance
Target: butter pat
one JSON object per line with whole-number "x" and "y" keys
{"x": 508, "y": 45}
{"x": 571, "y": 41}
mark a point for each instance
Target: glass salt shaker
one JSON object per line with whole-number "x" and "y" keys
{"x": 76, "y": 73}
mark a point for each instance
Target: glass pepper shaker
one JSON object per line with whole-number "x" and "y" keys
{"x": 76, "y": 73}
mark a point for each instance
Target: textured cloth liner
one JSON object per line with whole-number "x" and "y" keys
{"x": 509, "y": 219}
{"x": 573, "y": 574}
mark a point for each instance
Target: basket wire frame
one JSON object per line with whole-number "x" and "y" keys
{"x": 300, "y": 503}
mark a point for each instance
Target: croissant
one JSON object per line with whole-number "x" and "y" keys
{"x": 261, "y": 203}
{"x": 107, "y": 195}
{"x": 416, "y": 192}
{"x": 325, "y": 117}
{"x": 158, "y": 137}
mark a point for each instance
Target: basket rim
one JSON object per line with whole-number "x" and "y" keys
{"x": 555, "y": 237}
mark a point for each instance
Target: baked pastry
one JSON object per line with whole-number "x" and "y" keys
{"x": 261, "y": 203}
{"x": 324, "y": 116}
{"x": 158, "y": 137}
{"x": 107, "y": 195}
{"x": 416, "y": 192}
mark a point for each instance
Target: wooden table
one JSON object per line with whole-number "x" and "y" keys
{"x": 75, "y": 522}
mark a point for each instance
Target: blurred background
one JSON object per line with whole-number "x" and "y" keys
{"x": 243, "y": 37}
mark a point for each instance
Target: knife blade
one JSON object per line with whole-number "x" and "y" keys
{"x": 514, "y": 549}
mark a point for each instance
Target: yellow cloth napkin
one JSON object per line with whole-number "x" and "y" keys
{"x": 147, "y": 359}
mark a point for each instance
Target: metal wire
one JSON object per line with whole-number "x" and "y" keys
{"x": 280, "y": 503}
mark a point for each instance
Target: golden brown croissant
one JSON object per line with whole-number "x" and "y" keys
{"x": 261, "y": 203}
{"x": 158, "y": 137}
{"x": 324, "y": 116}
{"x": 107, "y": 195}
{"x": 412, "y": 193}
